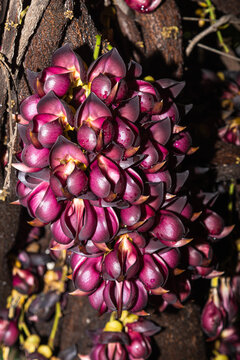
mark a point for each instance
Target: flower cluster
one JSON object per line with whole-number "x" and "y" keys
{"x": 122, "y": 339}
{"x": 100, "y": 155}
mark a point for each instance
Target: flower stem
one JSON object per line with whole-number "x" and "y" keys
{"x": 97, "y": 47}
{"x": 211, "y": 10}
{"x": 58, "y": 314}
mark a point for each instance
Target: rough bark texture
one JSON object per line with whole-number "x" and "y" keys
{"x": 161, "y": 35}
{"x": 226, "y": 161}
{"x": 228, "y": 7}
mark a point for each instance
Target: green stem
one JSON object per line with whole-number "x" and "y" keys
{"x": 58, "y": 314}
{"x": 231, "y": 196}
{"x": 97, "y": 47}
{"x": 22, "y": 325}
{"x": 212, "y": 15}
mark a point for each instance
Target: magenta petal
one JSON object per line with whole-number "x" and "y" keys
{"x": 111, "y": 266}
{"x": 110, "y": 63}
{"x": 67, "y": 58}
{"x": 131, "y": 215}
{"x": 107, "y": 225}
{"x": 77, "y": 182}
{"x": 99, "y": 184}
{"x": 157, "y": 195}
{"x": 58, "y": 234}
{"x": 51, "y": 104}
{"x": 182, "y": 142}
{"x": 161, "y": 176}
{"x": 49, "y": 208}
{"x": 91, "y": 109}
{"x": 86, "y": 137}
{"x": 151, "y": 274}
{"x": 49, "y": 133}
{"x": 171, "y": 257}
{"x": 64, "y": 150}
{"x": 59, "y": 83}
{"x": 130, "y": 109}
{"x": 34, "y": 158}
{"x": 101, "y": 86}
{"x": 175, "y": 87}
{"x": 161, "y": 130}
{"x": 28, "y": 107}
{"x": 142, "y": 297}
{"x": 96, "y": 299}
{"x": 169, "y": 227}
{"x": 86, "y": 277}
{"x": 134, "y": 69}
{"x": 134, "y": 186}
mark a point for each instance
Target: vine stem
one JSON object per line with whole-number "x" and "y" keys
{"x": 58, "y": 314}
{"x": 12, "y": 132}
{"x": 97, "y": 47}
{"x": 22, "y": 325}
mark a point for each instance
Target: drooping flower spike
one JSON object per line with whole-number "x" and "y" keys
{"x": 99, "y": 161}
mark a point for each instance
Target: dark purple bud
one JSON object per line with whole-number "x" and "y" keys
{"x": 155, "y": 158}
{"x": 78, "y": 221}
{"x": 86, "y": 272}
{"x": 106, "y": 178}
{"x": 43, "y": 306}
{"x": 123, "y": 262}
{"x": 114, "y": 152}
{"x": 154, "y": 272}
{"x": 56, "y": 79}
{"x": 120, "y": 295}
{"x": 134, "y": 69}
{"x": 169, "y": 229}
{"x": 127, "y": 134}
{"x": 182, "y": 142}
{"x": 139, "y": 217}
{"x": 107, "y": 225}
{"x": 170, "y": 256}
{"x": 49, "y": 133}
{"x": 24, "y": 281}
{"x": 139, "y": 347}
{"x": 95, "y": 115}
{"x": 134, "y": 186}
{"x": 42, "y": 203}
{"x": 213, "y": 316}
{"x": 8, "y": 332}
{"x": 101, "y": 86}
